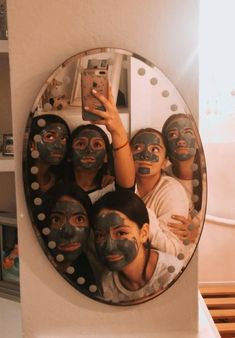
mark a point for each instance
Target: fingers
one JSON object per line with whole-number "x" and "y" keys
{"x": 179, "y": 226}
{"x": 111, "y": 99}
{"x": 180, "y": 218}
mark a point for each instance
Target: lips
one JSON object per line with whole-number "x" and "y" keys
{"x": 113, "y": 258}
{"x": 69, "y": 247}
{"x": 88, "y": 159}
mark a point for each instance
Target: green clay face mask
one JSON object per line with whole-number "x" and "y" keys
{"x": 69, "y": 228}
{"x": 181, "y": 139}
{"x": 88, "y": 150}
{"x": 53, "y": 144}
{"x": 115, "y": 253}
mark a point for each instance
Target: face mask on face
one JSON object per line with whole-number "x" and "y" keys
{"x": 145, "y": 148}
{"x": 115, "y": 253}
{"x": 53, "y": 144}
{"x": 181, "y": 139}
{"x": 69, "y": 228}
{"x": 88, "y": 150}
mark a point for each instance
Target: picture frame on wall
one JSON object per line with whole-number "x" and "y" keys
{"x": 7, "y": 148}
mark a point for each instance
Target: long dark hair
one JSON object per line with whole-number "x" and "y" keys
{"x": 131, "y": 205}
{"x": 197, "y": 172}
{"x": 107, "y": 168}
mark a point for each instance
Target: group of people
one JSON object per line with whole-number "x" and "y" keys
{"x": 118, "y": 219}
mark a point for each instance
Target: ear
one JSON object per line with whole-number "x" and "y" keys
{"x": 106, "y": 158}
{"x": 144, "y": 233}
{"x": 165, "y": 163}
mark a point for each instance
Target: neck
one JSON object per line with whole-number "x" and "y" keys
{"x": 85, "y": 178}
{"x": 145, "y": 184}
{"x": 132, "y": 277}
{"x": 44, "y": 174}
{"x": 183, "y": 169}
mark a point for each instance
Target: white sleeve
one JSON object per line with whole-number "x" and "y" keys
{"x": 97, "y": 194}
{"x": 163, "y": 239}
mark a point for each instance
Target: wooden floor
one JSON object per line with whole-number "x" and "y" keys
{"x": 220, "y": 301}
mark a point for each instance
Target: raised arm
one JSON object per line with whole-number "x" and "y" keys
{"x": 123, "y": 161}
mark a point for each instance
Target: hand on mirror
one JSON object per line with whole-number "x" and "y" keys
{"x": 185, "y": 229}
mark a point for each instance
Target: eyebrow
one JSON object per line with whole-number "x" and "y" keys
{"x": 74, "y": 213}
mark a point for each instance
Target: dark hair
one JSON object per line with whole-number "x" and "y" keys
{"x": 72, "y": 190}
{"x": 126, "y": 202}
{"x": 106, "y": 167}
{"x": 197, "y": 174}
{"x": 130, "y": 205}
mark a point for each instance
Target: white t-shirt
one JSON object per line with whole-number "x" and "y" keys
{"x": 167, "y": 269}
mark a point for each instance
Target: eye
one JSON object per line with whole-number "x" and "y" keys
{"x": 99, "y": 236}
{"x": 137, "y": 147}
{"x": 189, "y": 132}
{"x": 97, "y": 144}
{"x": 79, "y": 144}
{"x": 154, "y": 149}
{"x": 49, "y": 137}
{"x": 80, "y": 220}
{"x": 63, "y": 139}
{"x": 121, "y": 233}
{"x": 56, "y": 221}
{"x": 172, "y": 134}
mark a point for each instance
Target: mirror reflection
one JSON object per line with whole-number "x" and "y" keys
{"x": 114, "y": 176}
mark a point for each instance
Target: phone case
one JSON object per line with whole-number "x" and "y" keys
{"x": 93, "y": 79}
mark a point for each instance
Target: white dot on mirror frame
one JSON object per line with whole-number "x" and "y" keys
{"x": 195, "y": 198}
{"x": 37, "y": 201}
{"x": 35, "y": 154}
{"x": 59, "y": 258}
{"x": 41, "y": 216}
{"x": 35, "y": 186}
{"x": 195, "y": 182}
{"x": 46, "y": 231}
{"x": 141, "y": 71}
{"x": 81, "y": 280}
{"x": 37, "y": 138}
{"x": 153, "y": 81}
{"x": 70, "y": 270}
{"x": 34, "y": 170}
{"x": 186, "y": 241}
{"x": 191, "y": 226}
{"x": 51, "y": 245}
{"x": 195, "y": 166}
{"x": 41, "y": 123}
{"x": 180, "y": 256}
{"x": 165, "y": 93}
{"x": 47, "y": 107}
{"x": 174, "y": 107}
{"x": 92, "y": 288}
{"x": 171, "y": 268}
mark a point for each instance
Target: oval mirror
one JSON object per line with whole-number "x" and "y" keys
{"x": 118, "y": 246}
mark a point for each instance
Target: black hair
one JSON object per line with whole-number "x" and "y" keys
{"x": 129, "y": 204}
{"x": 107, "y": 168}
{"x": 72, "y": 190}
{"x": 197, "y": 174}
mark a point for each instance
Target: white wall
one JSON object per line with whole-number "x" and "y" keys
{"x": 42, "y": 35}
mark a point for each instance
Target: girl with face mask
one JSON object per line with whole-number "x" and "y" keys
{"x": 121, "y": 231}
{"x": 47, "y": 150}
{"x": 91, "y": 154}
{"x": 162, "y": 194}
{"x": 65, "y": 232}
{"x": 182, "y": 149}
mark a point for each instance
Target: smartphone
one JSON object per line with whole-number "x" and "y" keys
{"x": 93, "y": 78}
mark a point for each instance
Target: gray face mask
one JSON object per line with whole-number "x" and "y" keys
{"x": 115, "y": 253}
{"x": 88, "y": 150}
{"x": 69, "y": 228}
{"x": 181, "y": 139}
{"x": 141, "y": 146}
{"x": 53, "y": 144}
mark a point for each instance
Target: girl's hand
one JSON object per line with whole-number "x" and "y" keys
{"x": 110, "y": 118}
{"x": 185, "y": 230}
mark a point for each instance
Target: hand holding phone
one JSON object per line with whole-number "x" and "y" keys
{"x": 93, "y": 78}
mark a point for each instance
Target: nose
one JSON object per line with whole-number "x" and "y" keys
{"x": 145, "y": 155}
{"x": 109, "y": 244}
{"x": 182, "y": 143}
{"x": 57, "y": 144}
{"x": 88, "y": 150}
{"x": 67, "y": 231}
